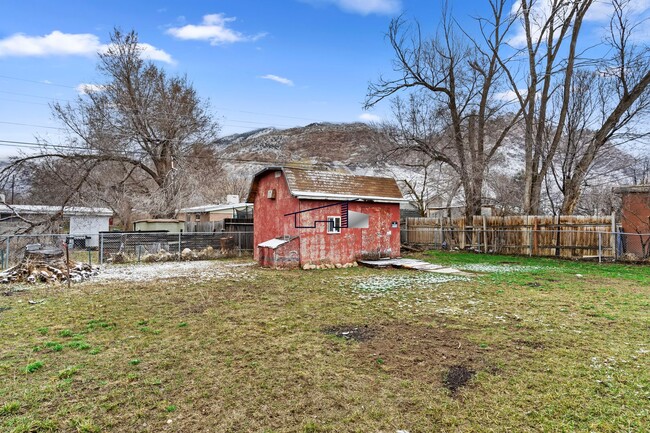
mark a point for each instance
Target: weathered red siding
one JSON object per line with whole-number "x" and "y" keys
{"x": 317, "y": 246}
{"x": 269, "y": 213}
{"x": 378, "y": 240}
{"x": 635, "y": 218}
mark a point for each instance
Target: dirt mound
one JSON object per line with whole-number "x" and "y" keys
{"x": 457, "y": 376}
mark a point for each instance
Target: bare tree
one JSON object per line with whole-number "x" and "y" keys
{"x": 138, "y": 134}
{"x": 624, "y": 98}
{"x": 451, "y": 80}
{"x": 429, "y": 182}
{"x": 552, "y": 57}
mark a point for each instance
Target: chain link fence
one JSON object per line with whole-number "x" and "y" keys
{"x": 122, "y": 247}
{"x": 552, "y": 242}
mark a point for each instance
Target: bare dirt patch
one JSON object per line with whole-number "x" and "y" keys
{"x": 430, "y": 354}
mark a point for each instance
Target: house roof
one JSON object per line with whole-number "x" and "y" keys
{"x": 631, "y": 189}
{"x": 214, "y": 207}
{"x": 332, "y": 185}
{"x": 25, "y": 209}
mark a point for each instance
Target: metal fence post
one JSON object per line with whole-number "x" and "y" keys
{"x": 7, "y": 253}
{"x": 179, "y": 245}
{"x": 600, "y": 247}
{"x": 101, "y": 248}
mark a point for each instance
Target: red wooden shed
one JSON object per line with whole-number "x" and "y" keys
{"x": 308, "y": 217}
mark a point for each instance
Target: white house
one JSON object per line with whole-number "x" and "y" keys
{"x": 83, "y": 221}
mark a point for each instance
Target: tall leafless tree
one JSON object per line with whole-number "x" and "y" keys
{"x": 451, "y": 80}
{"x": 624, "y": 98}
{"x": 141, "y": 129}
{"x": 542, "y": 84}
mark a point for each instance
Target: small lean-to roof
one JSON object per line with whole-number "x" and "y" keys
{"x": 214, "y": 207}
{"x": 332, "y": 185}
{"x": 165, "y": 221}
{"x": 273, "y": 243}
{"x": 632, "y": 189}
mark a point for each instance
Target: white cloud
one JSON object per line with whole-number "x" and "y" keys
{"x": 363, "y": 7}
{"x": 278, "y": 79}
{"x": 86, "y": 88}
{"x": 150, "y": 52}
{"x": 56, "y": 43}
{"x": 214, "y": 29}
{"x": 507, "y": 95}
{"x": 369, "y": 117}
{"x": 599, "y": 12}
{"x": 67, "y": 44}
{"x": 539, "y": 14}
{"x": 603, "y": 10}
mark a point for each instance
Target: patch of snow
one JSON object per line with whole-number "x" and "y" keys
{"x": 498, "y": 269}
{"x": 198, "y": 270}
{"x": 384, "y": 284}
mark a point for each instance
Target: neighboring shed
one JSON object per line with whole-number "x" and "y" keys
{"x": 170, "y": 225}
{"x": 84, "y": 222}
{"x": 330, "y": 217}
{"x": 635, "y": 218}
{"x": 216, "y": 212}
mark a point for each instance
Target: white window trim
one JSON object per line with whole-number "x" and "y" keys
{"x": 334, "y": 230}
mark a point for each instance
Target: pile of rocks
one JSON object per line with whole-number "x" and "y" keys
{"x": 308, "y": 266}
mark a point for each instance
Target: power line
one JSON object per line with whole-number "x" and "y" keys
{"x": 33, "y": 96}
{"x": 31, "y": 124}
{"x": 45, "y": 83}
{"x": 148, "y": 117}
{"x": 216, "y": 108}
{"x": 35, "y": 146}
{"x": 117, "y": 135}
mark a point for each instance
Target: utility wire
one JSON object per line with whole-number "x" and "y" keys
{"x": 117, "y": 152}
{"x": 75, "y": 87}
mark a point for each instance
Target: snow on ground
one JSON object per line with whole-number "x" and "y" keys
{"x": 415, "y": 280}
{"x": 382, "y": 285}
{"x": 497, "y": 269}
{"x": 198, "y": 270}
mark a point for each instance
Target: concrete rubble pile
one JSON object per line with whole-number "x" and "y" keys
{"x": 47, "y": 265}
{"x": 187, "y": 254}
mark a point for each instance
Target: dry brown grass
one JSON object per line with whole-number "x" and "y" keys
{"x": 235, "y": 355}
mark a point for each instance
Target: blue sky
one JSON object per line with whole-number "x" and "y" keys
{"x": 260, "y": 63}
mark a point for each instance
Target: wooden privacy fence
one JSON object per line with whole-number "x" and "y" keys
{"x": 564, "y": 236}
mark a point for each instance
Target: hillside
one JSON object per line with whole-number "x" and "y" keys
{"x": 362, "y": 149}
{"x": 353, "y": 145}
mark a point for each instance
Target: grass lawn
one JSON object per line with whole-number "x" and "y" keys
{"x": 526, "y": 345}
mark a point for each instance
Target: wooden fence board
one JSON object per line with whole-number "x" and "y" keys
{"x": 566, "y": 236}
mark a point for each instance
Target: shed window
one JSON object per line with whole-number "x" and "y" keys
{"x": 333, "y": 224}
